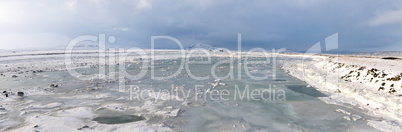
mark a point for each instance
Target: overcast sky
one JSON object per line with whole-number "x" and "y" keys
{"x": 372, "y": 25}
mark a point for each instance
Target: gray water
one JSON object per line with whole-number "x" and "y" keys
{"x": 118, "y": 119}
{"x": 298, "y": 109}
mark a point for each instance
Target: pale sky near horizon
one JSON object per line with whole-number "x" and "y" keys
{"x": 295, "y": 24}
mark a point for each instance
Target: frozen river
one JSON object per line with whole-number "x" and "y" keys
{"x": 239, "y": 102}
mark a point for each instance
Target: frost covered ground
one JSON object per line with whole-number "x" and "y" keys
{"x": 352, "y": 87}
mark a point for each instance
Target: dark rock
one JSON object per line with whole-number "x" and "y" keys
{"x": 362, "y": 68}
{"x": 20, "y": 94}
{"x": 392, "y": 90}
{"x": 53, "y": 85}
{"x": 337, "y": 91}
{"x": 5, "y": 93}
{"x": 372, "y": 72}
{"x": 14, "y": 76}
{"x": 397, "y": 78}
{"x": 381, "y": 88}
{"x": 375, "y": 75}
{"x": 86, "y": 126}
{"x": 36, "y": 126}
{"x": 383, "y": 75}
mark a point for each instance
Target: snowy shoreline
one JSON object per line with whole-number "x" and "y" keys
{"x": 371, "y": 83}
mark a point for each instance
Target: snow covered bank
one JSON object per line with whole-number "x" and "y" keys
{"x": 371, "y": 83}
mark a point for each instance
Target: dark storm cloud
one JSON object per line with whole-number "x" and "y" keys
{"x": 296, "y": 25}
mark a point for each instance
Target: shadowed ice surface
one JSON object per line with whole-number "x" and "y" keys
{"x": 305, "y": 90}
{"x": 117, "y": 119}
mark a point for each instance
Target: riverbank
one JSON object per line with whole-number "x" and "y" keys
{"x": 372, "y": 83}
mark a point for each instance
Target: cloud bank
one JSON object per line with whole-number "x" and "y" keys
{"x": 295, "y": 24}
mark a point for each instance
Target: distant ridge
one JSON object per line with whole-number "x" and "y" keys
{"x": 201, "y": 46}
